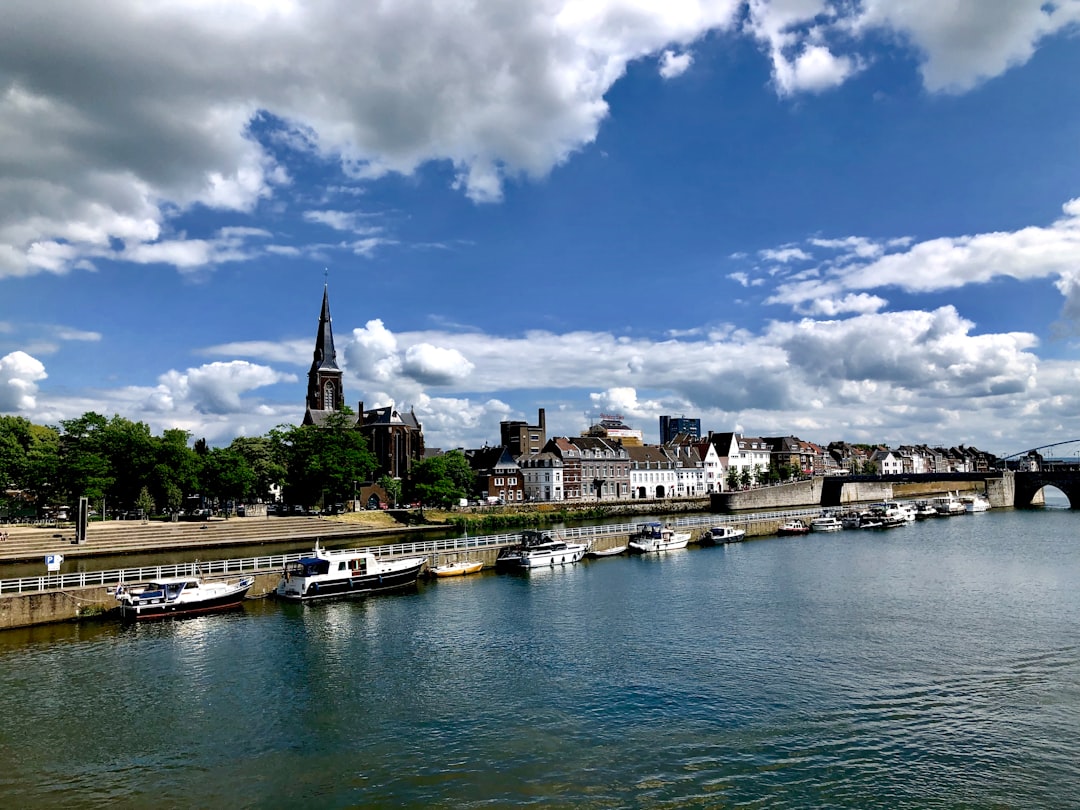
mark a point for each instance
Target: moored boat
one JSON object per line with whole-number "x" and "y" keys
{"x": 975, "y": 502}
{"x": 826, "y": 522}
{"x": 325, "y": 574}
{"x": 457, "y": 568}
{"x": 790, "y": 528}
{"x": 179, "y": 596}
{"x": 722, "y": 534}
{"x": 924, "y": 509}
{"x": 653, "y": 537}
{"x": 949, "y": 504}
{"x": 538, "y": 550}
{"x": 614, "y": 551}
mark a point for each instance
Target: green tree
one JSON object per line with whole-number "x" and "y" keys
{"x": 733, "y": 479}
{"x": 176, "y": 471}
{"x": 265, "y": 462}
{"x": 746, "y": 478}
{"x": 442, "y": 480}
{"x": 84, "y": 467}
{"x": 145, "y": 503}
{"x": 322, "y": 462}
{"x": 226, "y": 476}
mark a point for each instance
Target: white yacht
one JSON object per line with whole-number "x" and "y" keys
{"x": 537, "y": 550}
{"x": 826, "y": 522}
{"x": 949, "y": 504}
{"x": 179, "y": 596}
{"x": 975, "y": 502}
{"x": 345, "y": 573}
{"x": 652, "y": 537}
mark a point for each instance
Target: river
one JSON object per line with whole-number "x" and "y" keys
{"x": 935, "y": 665}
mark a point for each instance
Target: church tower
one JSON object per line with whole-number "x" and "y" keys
{"x": 325, "y": 393}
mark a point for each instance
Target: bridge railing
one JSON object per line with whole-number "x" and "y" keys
{"x": 276, "y": 562}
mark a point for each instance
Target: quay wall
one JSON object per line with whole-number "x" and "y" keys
{"x": 44, "y": 607}
{"x": 799, "y": 494}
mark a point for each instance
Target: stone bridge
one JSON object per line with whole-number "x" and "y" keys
{"x": 1004, "y": 488}
{"x": 1019, "y": 489}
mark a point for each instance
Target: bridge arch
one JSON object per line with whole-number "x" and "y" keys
{"x": 1029, "y": 484}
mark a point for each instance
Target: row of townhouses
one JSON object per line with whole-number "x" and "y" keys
{"x": 610, "y": 462}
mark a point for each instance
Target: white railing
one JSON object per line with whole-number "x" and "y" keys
{"x": 275, "y": 562}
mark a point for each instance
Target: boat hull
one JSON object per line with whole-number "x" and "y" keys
{"x": 357, "y": 585}
{"x": 457, "y": 569}
{"x": 154, "y": 609}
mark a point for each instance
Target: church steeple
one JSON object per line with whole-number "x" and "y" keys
{"x": 324, "y": 378}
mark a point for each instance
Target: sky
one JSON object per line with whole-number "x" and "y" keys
{"x": 854, "y": 220}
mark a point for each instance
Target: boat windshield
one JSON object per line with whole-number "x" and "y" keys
{"x": 308, "y": 567}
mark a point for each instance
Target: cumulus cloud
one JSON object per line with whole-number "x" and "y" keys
{"x": 214, "y": 388}
{"x": 109, "y": 126}
{"x": 119, "y": 127}
{"x": 19, "y": 375}
{"x": 965, "y": 42}
{"x": 435, "y": 365}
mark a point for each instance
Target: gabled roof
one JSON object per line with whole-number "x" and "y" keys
{"x": 491, "y": 458}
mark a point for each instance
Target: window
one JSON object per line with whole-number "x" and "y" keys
{"x": 328, "y": 396}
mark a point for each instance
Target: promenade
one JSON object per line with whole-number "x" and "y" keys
{"x": 31, "y": 543}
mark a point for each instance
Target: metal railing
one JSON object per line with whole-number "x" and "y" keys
{"x": 276, "y": 562}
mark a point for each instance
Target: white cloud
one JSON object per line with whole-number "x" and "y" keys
{"x": 952, "y": 262}
{"x": 19, "y": 375}
{"x": 120, "y": 128}
{"x": 673, "y": 65}
{"x": 435, "y": 365}
{"x": 214, "y": 388}
{"x": 785, "y": 254}
{"x": 967, "y": 41}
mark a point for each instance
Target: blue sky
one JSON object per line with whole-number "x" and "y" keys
{"x": 854, "y": 220}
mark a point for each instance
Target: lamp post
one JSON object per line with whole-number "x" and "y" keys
{"x": 354, "y": 495}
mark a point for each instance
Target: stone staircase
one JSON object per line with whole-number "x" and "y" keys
{"x": 126, "y": 536}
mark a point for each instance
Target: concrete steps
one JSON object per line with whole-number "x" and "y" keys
{"x": 118, "y": 537}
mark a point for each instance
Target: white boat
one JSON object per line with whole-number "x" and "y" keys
{"x": 892, "y": 513}
{"x": 345, "y": 573}
{"x": 722, "y": 534}
{"x": 179, "y": 596}
{"x": 457, "y": 568}
{"x": 949, "y": 504}
{"x": 826, "y": 523}
{"x": 975, "y": 502}
{"x": 653, "y": 537}
{"x": 614, "y": 551}
{"x": 537, "y": 550}
{"x": 924, "y": 509}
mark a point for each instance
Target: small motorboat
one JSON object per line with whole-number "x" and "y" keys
{"x": 614, "y": 551}
{"x": 457, "y": 568}
{"x": 179, "y": 596}
{"x": 652, "y": 537}
{"x": 790, "y": 528}
{"x": 538, "y": 550}
{"x": 826, "y": 523}
{"x": 721, "y": 534}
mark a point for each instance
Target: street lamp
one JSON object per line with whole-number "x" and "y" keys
{"x": 354, "y": 495}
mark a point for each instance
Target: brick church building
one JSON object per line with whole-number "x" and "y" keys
{"x": 396, "y": 438}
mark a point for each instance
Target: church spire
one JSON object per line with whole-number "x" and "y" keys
{"x": 325, "y": 355}
{"x": 325, "y": 391}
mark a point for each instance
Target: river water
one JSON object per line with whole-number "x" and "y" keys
{"x": 935, "y": 665}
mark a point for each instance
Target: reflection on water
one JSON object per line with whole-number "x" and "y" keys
{"x": 937, "y": 665}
